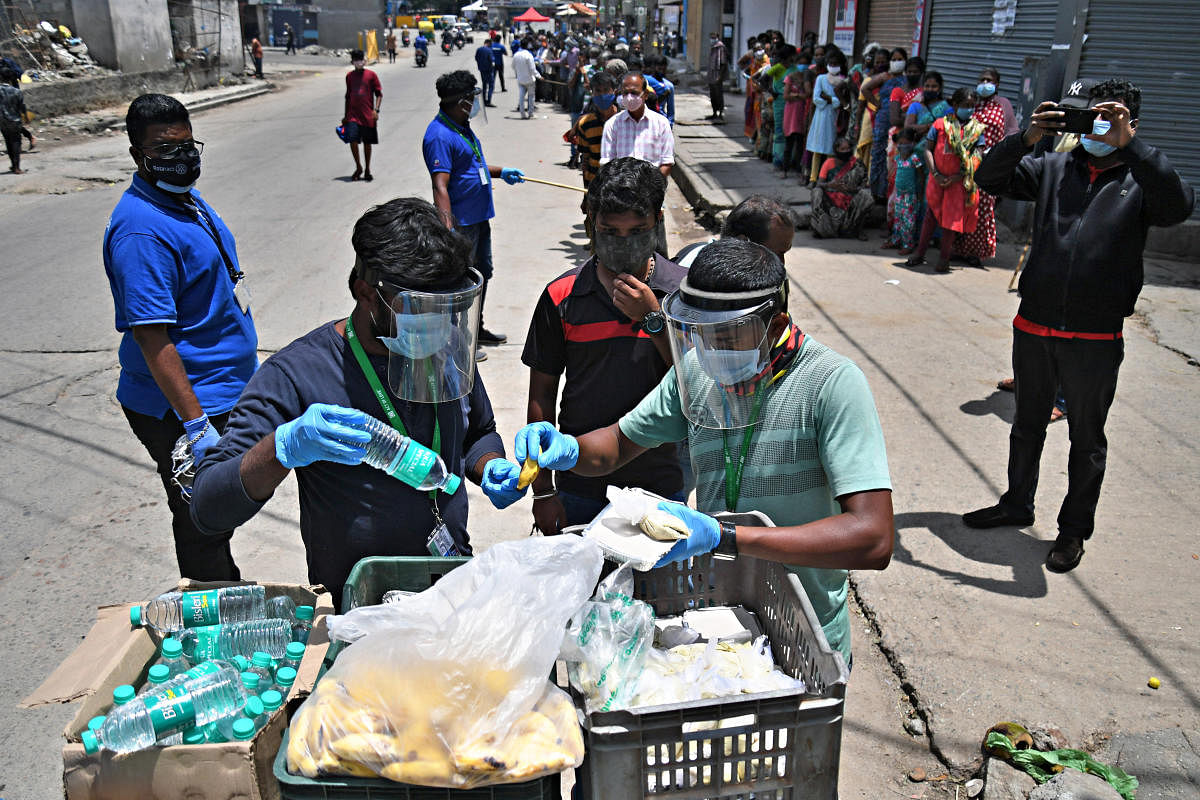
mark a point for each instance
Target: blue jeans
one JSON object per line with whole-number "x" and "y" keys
{"x": 488, "y": 83}
{"x": 480, "y": 235}
{"x": 581, "y": 510}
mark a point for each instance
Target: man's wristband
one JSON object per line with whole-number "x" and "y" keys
{"x": 546, "y": 495}
{"x": 727, "y": 546}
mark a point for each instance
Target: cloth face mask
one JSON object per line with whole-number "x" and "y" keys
{"x": 629, "y": 254}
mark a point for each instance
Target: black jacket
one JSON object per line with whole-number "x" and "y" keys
{"x": 1084, "y": 271}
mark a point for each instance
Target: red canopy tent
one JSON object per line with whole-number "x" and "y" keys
{"x": 531, "y": 16}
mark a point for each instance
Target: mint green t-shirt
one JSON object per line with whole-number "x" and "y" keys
{"x": 818, "y": 438}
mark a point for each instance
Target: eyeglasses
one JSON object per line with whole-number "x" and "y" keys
{"x": 174, "y": 150}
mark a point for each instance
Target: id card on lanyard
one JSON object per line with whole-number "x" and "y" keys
{"x": 484, "y": 177}
{"x": 439, "y": 542}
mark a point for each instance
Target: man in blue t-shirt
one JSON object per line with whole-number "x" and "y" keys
{"x": 498, "y": 53}
{"x": 189, "y": 344}
{"x": 486, "y": 64}
{"x": 462, "y": 179}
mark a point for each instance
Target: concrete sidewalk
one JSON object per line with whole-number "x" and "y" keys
{"x": 973, "y": 627}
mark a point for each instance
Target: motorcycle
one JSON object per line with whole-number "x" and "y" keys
{"x": 404, "y": 38}
{"x": 421, "y": 57}
{"x": 447, "y": 46}
{"x": 459, "y": 40}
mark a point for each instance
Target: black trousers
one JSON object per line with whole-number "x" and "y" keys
{"x": 1087, "y": 372}
{"x": 12, "y": 143}
{"x": 716, "y": 96}
{"x": 201, "y": 556}
{"x": 500, "y": 75}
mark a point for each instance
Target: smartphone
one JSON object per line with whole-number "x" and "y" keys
{"x": 1077, "y": 120}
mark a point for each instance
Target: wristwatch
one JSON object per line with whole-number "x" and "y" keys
{"x": 727, "y": 547}
{"x": 654, "y": 322}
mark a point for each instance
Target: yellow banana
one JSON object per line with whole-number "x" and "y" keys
{"x": 367, "y": 748}
{"x": 529, "y": 471}
{"x": 422, "y": 772}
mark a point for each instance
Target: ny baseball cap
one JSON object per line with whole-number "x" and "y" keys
{"x": 1077, "y": 93}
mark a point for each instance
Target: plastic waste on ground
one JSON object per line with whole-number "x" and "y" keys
{"x": 1044, "y": 765}
{"x": 174, "y": 611}
{"x": 410, "y": 462}
{"x": 237, "y": 639}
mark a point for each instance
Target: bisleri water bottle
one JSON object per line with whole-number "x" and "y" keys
{"x": 406, "y": 460}
{"x": 175, "y": 611}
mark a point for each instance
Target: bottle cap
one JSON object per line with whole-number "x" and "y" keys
{"x": 261, "y": 659}
{"x": 241, "y": 662}
{"x": 295, "y": 651}
{"x": 135, "y": 615}
{"x": 159, "y": 673}
{"x": 91, "y": 744}
{"x": 286, "y": 676}
{"x": 172, "y": 647}
{"x": 271, "y": 700}
{"x": 95, "y": 722}
{"x": 243, "y": 730}
{"x": 212, "y": 733}
{"x": 123, "y": 694}
{"x": 193, "y": 736}
{"x": 304, "y": 612}
{"x": 250, "y": 680}
{"x": 254, "y": 707}
{"x": 452, "y": 483}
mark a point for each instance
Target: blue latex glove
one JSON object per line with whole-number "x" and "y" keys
{"x": 705, "y": 536}
{"x": 323, "y": 433}
{"x": 207, "y": 433}
{"x": 500, "y": 482}
{"x": 557, "y": 450}
{"x": 511, "y": 175}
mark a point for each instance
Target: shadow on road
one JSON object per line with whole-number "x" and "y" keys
{"x": 1001, "y": 546}
{"x": 998, "y": 403}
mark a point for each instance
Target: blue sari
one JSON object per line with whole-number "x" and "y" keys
{"x": 879, "y": 140}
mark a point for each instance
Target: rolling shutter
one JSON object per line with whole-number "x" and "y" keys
{"x": 891, "y": 23}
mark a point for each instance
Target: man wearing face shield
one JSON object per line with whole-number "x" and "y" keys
{"x": 188, "y": 340}
{"x": 404, "y": 356}
{"x": 602, "y": 325}
{"x": 776, "y": 423}
{"x": 462, "y": 179}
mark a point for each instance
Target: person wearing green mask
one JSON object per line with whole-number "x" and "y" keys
{"x": 1093, "y": 208}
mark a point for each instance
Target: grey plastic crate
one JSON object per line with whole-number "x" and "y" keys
{"x": 782, "y": 745}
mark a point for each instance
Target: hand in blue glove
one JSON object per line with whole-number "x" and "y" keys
{"x": 500, "y": 482}
{"x": 511, "y": 175}
{"x": 705, "y": 536}
{"x": 208, "y": 436}
{"x": 556, "y": 450}
{"x": 323, "y": 433}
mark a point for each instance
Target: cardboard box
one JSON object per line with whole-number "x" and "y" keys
{"x": 113, "y": 653}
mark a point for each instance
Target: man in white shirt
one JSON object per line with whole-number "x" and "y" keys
{"x": 637, "y": 131}
{"x": 526, "y": 70}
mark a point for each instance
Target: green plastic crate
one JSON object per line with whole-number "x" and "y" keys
{"x": 372, "y": 577}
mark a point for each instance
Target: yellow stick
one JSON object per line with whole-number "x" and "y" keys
{"x": 1020, "y": 265}
{"x": 559, "y": 185}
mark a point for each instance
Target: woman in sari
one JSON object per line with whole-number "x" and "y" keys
{"x": 996, "y": 115}
{"x": 785, "y": 65}
{"x": 930, "y": 106}
{"x": 868, "y": 104}
{"x": 883, "y": 85}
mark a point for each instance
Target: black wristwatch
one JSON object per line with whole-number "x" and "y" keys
{"x": 727, "y": 547}
{"x": 654, "y": 322}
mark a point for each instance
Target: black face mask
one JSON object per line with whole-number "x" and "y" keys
{"x": 176, "y": 175}
{"x": 842, "y": 155}
{"x": 913, "y": 80}
{"x": 819, "y": 62}
{"x": 929, "y": 96}
{"x": 630, "y": 253}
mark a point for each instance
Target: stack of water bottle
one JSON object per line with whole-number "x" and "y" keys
{"x": 226, "y": 663}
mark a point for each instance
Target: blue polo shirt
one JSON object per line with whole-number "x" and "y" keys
{"x": 448, "y": 148}
{"x": 164, "y": 266}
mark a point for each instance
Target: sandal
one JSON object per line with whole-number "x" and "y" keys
{"x": 368, "y": 176}
{"x": 1006, "y": 384}
{"x": 915, "y": 261}
{"x": 1056, "y": 414}
{"x": 357, "y": 174}
{"x": 943, "y": 267}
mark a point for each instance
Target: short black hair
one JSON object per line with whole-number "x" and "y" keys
{"x": 1120, "y": 90}
{"x": 153, "y": 109}
{"x": 903, "y": 53}
{"x": 454, "y": 84}
{"x": 752, "y": 218}
{"x": 357, "y": 55}
{"x": 734, "y": 265}
{"x": 406, "y": 241}
{"x": 602, "y": 81}
{"x": 915, "y": 61}
{"x": 627, "y": 184}
{"x": 833, "y": 54}
{"x": 990, "y": 70}
{"x": 9, "y": 75}
{"x": 784, "y": 52}
{"x": 935, "y": 75}
{"x": 908, "y": 134}
{"x": 964, "y": 96}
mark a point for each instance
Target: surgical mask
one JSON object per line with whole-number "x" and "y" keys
{"x": 175, "y": 175}
{"x": 929, "y": 96}
{"x": 629, "y": 254}
{"x": 834, "y": 70}
{"x": 963, "y": 114}
{"x": 632, "y": 102}
{"x": 1098, "y": 149}
{"x": 603, "y": 101}
{"x": 418, "y": 335}
{"x": 986, "y": 89}
{"x": 759, "y": 53}
{"x": 728, "y": 367}
{"x": 896, "y": 67}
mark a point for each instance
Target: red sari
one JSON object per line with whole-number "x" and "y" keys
{"x": 981, "y": 243}
{"x": 950, "y": 204}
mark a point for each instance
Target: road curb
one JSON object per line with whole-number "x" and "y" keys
{"x": 214, "y": 102}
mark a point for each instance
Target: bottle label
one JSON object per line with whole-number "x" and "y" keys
{"x": 208, "y": 643}
{"x": 200, "y": 608}
{"x": 414, "y": 465}
{"x": 173, "y": 711}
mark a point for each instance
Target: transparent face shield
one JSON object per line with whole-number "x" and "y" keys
{"x": 721, "y": 349}
{"x": 431, "y": 339}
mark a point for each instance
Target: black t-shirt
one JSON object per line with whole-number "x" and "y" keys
{"x": 610, "y": 365}
{"x": 346, "y": 512}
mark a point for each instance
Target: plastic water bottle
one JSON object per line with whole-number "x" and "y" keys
{"x": 123, "y": 694}
{"x": 260, "y": 664}
{"x": 284, "y": 678}
{"x": 95, "y": 722}
{"x": 251, "y": 683}
{"x": 303, "y": 624}
{"x": 175, "y": 611}
{"x": 292, "y": 656}
{"x": 171, "y": 656}
{"x": 237, "y": 639}
{"x": 252, "y": 710}
{"x": 140, "y": 724}
{"x": 194, "y": 736}
{"x": 158, "y": 675}
{"x": 408, "y": 461}
{"x": 244, "y": 730}
{"x": 272, "y": 701}
{"x": 281, "y": 607}
{"x": 241, "y": 662}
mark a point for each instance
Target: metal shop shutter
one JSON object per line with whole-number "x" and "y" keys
{"x": 1119, "y": 44}
{"x": 960, "y": 41}
{"x": 891, "y": 23}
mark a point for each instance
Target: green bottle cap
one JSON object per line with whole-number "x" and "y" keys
{"x": 135, "y": 615}
{"x": 243, "y": 730}
{"x": 123, "y": 694}
{"x": 251, "y": 680}
{"x": 261, "y": 659}
{"x": 193, "y": 736}
{"x": 452, "y": 483}
{"x": 286, "y": 676}
{"x": 254, "y": 707}
{"x": 213, "y": 734}
{"x": 304, "y": 612}
{"x": 271, "y": 700}
{"x": 241, "y": 662}
{"x": 95, "y": 722}
{"x": 159, "y": 673}
{"x": 295, "y": 651}
{"x": 172, "y": 648}
{"x": 91, "y": 744}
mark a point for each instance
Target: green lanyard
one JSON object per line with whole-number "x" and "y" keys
{"x": 373, "y": 379}
{"x": 733, "y": 475}
{"x": 468, "y": 139}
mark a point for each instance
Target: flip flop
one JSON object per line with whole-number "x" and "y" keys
{"x": 368, "y": 177}
{"x": 357, "y": 175}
